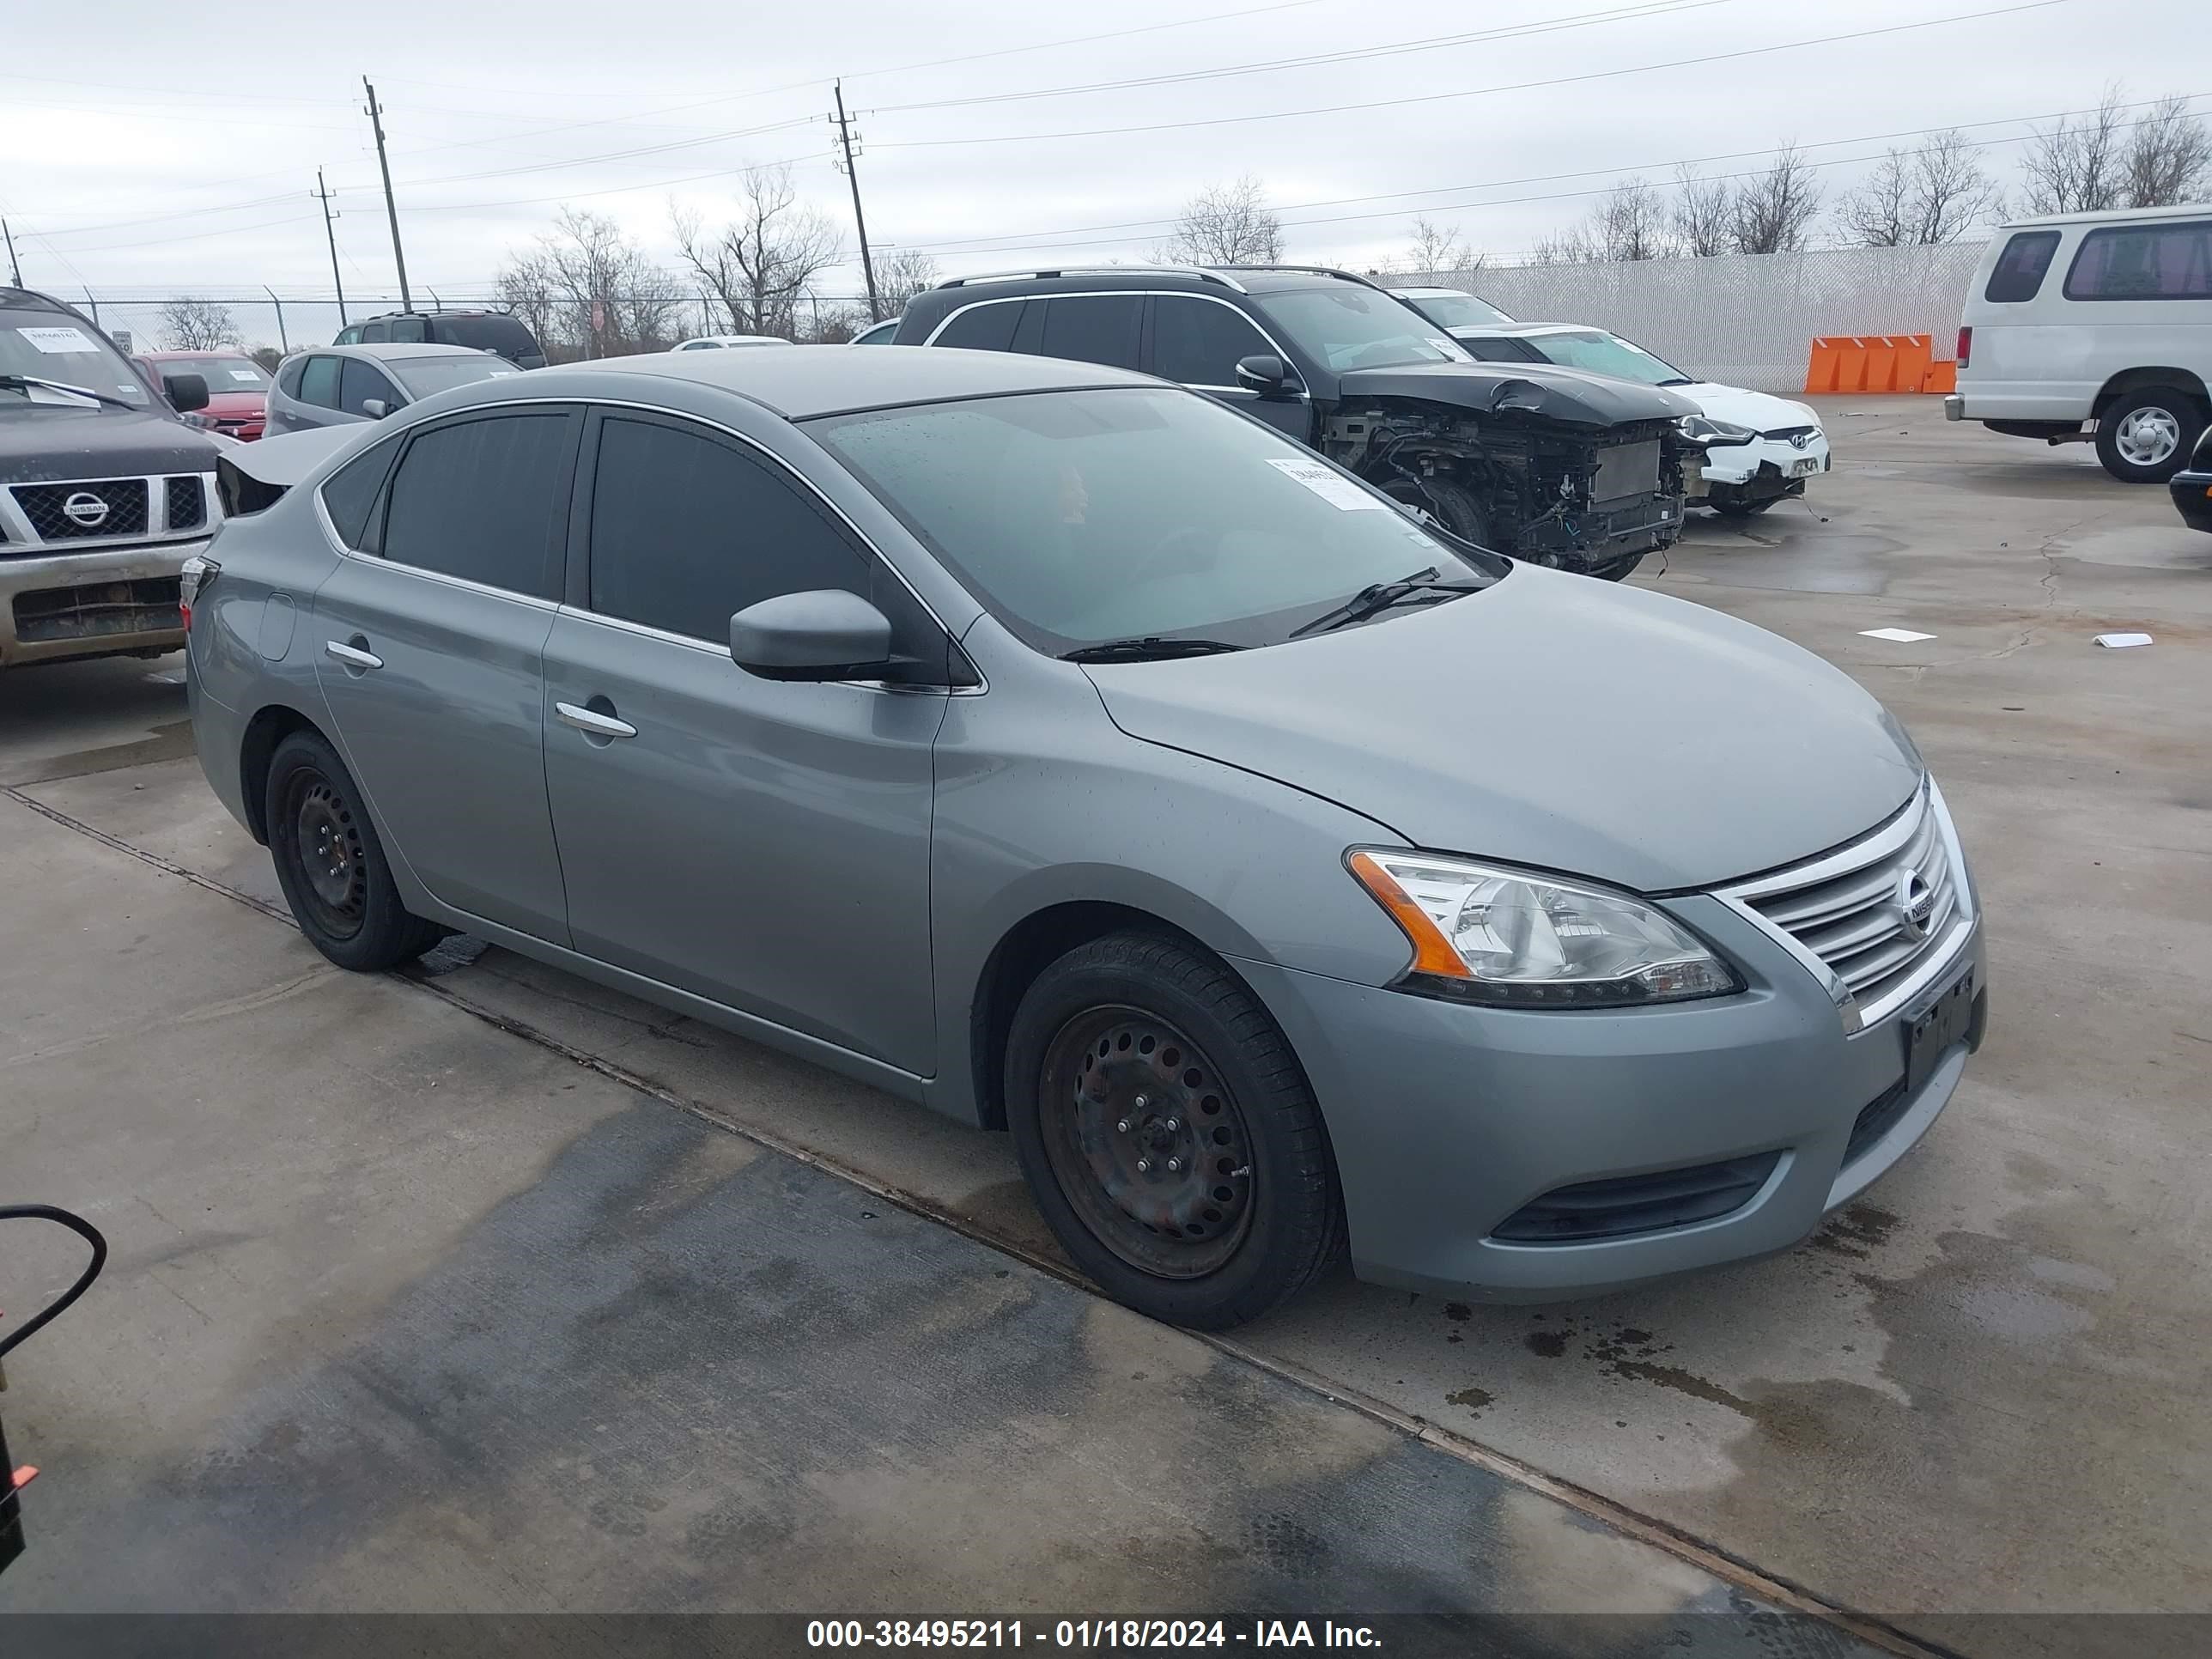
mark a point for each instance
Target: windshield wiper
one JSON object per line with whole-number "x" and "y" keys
{"x": 25, "y": 382}
{"x": 1150, "y": 649}
{"x": 1378, "y": 597}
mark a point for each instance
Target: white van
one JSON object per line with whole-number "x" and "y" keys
{"x": 2095, "y": 327}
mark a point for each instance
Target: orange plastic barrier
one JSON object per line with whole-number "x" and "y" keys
{"x": 1875, "y": 362}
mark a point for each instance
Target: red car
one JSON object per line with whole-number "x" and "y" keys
{"x": 238, "y": 388}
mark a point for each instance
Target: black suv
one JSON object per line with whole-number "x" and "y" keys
{"x": 486, "y": 331}
{"x": 1550, "y": 465}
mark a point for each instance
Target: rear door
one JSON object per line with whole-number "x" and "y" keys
{"x": 310, "y": 397}
{"x": 362, "y": 382}
{"x": 430, "y": 651}
{"x": 762, "y": 843}
{"x": 1199, "y": 342}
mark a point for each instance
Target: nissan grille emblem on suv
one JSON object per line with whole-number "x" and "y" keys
{"x": 86, "y": 509}
{"x": 1915, "y": 903}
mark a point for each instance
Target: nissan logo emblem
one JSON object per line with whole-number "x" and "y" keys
{"x": 86, "y": 508}
{"x": 1916, "y": 904}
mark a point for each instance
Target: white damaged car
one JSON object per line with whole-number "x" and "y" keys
{"x": 1759, "y": 449}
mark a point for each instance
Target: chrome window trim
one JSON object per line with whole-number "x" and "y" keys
{"x": 1884, "y": 841}
{"x": 559, "y": 607}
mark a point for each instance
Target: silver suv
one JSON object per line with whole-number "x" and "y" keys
{"x": 339, "y": 385}
{"x": 1066, "y": 752}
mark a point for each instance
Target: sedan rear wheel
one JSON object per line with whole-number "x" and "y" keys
{"x": 330, "y": 865}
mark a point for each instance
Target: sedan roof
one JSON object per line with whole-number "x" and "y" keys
{"x": 827, "y": 379}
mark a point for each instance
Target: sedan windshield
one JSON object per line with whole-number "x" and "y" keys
{"x": 221, "y": 373}
{"x": 47, "y": 345}
{"x": 423, "y": 375}
{"x": 1601, "y": 353}
{"x": 1460, "y": 310}
{"x": 1139, "y": 515}
{"x": 1351, "y": 327}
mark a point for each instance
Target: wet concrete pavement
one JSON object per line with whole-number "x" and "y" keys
{"x": 1981, "y": 1386}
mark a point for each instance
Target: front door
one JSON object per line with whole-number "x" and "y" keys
{"x": 1199, "y": 342}
{"x": 429, "y": 645}
{"x": 764, "y": 844}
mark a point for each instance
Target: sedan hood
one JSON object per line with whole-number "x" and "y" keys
{"x": 1552, "y": 720}
{"x": 46, "y": 442}
{"x": 1761, "y": 412}
{"x": 1543, "y": 390}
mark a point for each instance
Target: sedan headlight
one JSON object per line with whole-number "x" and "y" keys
{"x": 1700, "y": 429}
{"x": 1484, "y": 933}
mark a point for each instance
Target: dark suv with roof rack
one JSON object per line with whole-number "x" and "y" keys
{"x": 1582, "y": 471}
{"x": 486, "y": 331}
{"x": 103, "y": 490}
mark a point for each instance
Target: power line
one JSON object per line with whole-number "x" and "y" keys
{"x": 1642, "y": 12}
{"x": 1475, "y": 92}
{"x": 984, "y": 244}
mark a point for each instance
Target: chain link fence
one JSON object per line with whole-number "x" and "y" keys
{"x": 1742, "y": 318}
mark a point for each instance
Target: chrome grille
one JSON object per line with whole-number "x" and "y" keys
{"x": 187, "y": 500}
{"x": 115, "y": 507}
{"x": 1848, "y": 909}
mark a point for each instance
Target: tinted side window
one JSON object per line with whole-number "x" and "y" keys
{"x": 2019, "y": 270}
{"x": 375, "y": 333}
{"x": 482, "y": 498}
{"x": 1199, "y": 342}
{"x": 982, "y": 328}
{"x": 319, "y": 382}
{"x": 349, "y": 335}
{"x": 359, "y": 381}
{"x": 1094, "y": 328}
{"x": 410, "y": 330}
{"x": 2144, "y": 262}
{"x": 288, "y": 376}
{"x": 350, "y": 492}
{"x": 688, "y": 528}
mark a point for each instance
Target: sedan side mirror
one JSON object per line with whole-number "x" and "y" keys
{"x": 1266, "y": 373}
{"x": 185, "y": 392}
{"x": 824, "y": 634}
{"x": 375, "y": 408}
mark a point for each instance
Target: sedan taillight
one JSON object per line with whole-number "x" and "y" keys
{"x": 192, "y": 581}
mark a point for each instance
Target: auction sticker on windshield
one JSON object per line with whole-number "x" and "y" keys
{"x": 1333, "y": 488}
{"x": 60, "y": 342}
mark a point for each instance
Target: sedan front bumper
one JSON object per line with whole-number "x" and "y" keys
{"x": 1450, "y": 1122}
{"x": 1765, "y": 468}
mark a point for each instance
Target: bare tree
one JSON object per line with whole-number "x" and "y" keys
{"x": 1573, "y": 246}
{"x": 1922, "y": 197}
{"x": 765, "y": 260}
{"x": 1226, "y": 225}
{"x": 1702, "y": 212}
{"x": 587, "y": 291}
{"x": 2076, "y": 165}
{"x": 1629, "y": 222}
{"x": 197, "y": 326}
{"x": 899, "y": 278}
{"x": 1771, "y": 212}
{"x": 2169, "y": 157}
{"x": 267, "y": 356}
{"x": 1439, "y": 248}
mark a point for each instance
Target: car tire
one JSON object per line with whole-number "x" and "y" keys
{"x": 2148, "y": 436}
{"x": 330, "y": 864}
{"x": 1450, "y": 504}
{"x": 1219, "y": 1200}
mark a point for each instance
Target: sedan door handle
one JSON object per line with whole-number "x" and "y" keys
{"x": 592, "y": 723}
{"x": 351, "y": 655}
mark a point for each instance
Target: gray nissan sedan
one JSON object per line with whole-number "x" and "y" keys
{"x": 1070, "y": 753}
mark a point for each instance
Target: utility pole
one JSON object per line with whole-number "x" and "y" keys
{"x": 323, "y": 194}
{"x": 12, "y": 265}
{"x": 859, "y": 220}
{"x": 283, "y": 340}
{"x": 392, "y": 210}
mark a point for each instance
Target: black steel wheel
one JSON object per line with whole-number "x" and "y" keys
{"x": 1151, "y": 1149}
{"x": 330, "y": 864}
{"x": 1168, "y": 1132}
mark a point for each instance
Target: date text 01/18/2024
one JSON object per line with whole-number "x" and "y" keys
{"x": 1086, "y": 1634}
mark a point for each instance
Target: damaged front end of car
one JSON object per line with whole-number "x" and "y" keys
{"x": 1576, "y": 471}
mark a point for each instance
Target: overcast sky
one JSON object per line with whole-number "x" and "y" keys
{"x": 151, "y": 147}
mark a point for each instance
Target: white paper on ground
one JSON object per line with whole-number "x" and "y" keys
{"x": 1331, "y": 486}
{"x": 1900, "y": 635}
{"x": 59, "y": 342}
{"x": 2118, "y": 641}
